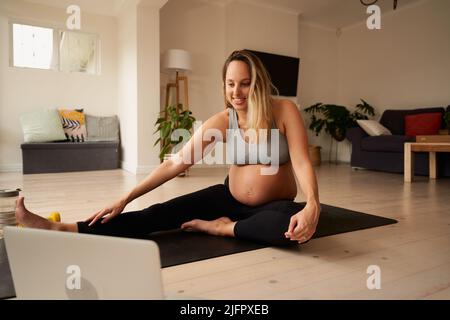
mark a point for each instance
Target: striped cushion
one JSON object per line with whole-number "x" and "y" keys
{"x": 74, "y": 124}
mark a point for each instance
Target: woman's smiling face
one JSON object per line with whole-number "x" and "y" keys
{"x": 237, "y": 84}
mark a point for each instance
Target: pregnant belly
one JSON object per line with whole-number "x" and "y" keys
{"x": 249, "y": 187}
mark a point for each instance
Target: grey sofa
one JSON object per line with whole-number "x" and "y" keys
{"x": 386, "y": 153}
{"x": 52, "y": 157}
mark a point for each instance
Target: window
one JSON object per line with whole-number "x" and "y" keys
{"x": 32, "y": 46}
{"x": 78, "y": 52}
{"x": 51, "y": 49}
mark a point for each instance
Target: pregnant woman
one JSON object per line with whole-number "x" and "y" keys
{"x": 251, "y": 204}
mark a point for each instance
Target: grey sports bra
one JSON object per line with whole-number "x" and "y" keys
{"x": 274, "y": 151}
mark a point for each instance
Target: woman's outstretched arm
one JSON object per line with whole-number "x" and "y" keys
{"x": 192, "y": 152}
{"x": 304, "y": 223}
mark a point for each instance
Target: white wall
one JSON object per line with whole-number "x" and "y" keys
{"x": 199, "y": 28}
{"x": 139, "y": 96}
{"x": 261, "y": 28}
{"x": 318, "y": 51}
{"x": 249, "y": 26}
{"x": 23, "y": 90}
{"x": 148, "y": 83}
{"x": 404, "y": 65}
{"x": 127, "y": 84}
{"x": 210, "y": 31}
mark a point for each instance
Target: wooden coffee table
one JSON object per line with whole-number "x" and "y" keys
{"x": 431, "y": 147}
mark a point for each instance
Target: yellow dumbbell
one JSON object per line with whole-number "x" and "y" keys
{"x": 55, "y": 217}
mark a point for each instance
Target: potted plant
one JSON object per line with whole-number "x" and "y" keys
{"x": 335, "y": 119}
{"x": 172, "y": 118}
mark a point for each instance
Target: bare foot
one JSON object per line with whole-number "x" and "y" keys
{"x": 30, "y": 220}
{"x": 220, "y": 227}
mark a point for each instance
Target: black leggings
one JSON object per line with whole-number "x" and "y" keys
{"x": 266, "y": 223}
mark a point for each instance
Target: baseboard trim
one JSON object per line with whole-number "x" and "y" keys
{"x": 17, "y": 167}
{"x": 137, "y": 169}
{"x": 128, "y": 167}
{"x": 336, "y": 162}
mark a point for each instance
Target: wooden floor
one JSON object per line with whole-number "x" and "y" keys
{"x": 413, "y": 255}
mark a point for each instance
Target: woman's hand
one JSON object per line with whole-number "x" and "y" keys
{"x": 303, "y": 224}
{"x": 112, "y": 211}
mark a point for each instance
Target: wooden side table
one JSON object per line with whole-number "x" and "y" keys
{"x": 431, "y": 147}
{"x": 434, "y": 138}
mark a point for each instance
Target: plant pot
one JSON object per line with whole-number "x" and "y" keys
{"x": 444, "y": 131}
{"x": 338, "y": 135}
{"x": 314, "y": 155}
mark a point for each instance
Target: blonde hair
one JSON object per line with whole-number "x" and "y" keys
{"x": 259, "y": 103}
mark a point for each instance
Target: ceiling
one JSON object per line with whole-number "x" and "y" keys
{"x": 103, "y": 7}
{"x": 331, "y": 13}
{"x": 328, "y": 13}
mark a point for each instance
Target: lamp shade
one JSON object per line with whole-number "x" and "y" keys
{"x": 176, "y": 59}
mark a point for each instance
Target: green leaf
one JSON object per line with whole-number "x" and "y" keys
{"x": 365, "y": 108}
{"x": 159, "y": 120}
{"x": 335, "y": 119}
{"x": 166, "y": 148}
{"x": 314, "y": 108}
{"x": 175, "y": 117}
{"x": 165, "y": 131}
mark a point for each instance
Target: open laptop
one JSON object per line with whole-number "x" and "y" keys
{"x": 62, "y": 265}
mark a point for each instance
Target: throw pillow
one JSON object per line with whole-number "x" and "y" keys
{"x": 102, "y": 128}
{"x": 42, "y": 126}
{"x": 74, "y": 124}
{"x": 423, "y": 124}
{"x": 373, "y": 128}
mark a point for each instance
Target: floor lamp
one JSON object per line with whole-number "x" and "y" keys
{"x": 177, "y": 60}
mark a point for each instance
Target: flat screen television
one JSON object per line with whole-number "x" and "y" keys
{"x": 283, "y": 71}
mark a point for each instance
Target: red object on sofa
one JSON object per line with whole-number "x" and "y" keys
{"x": 423, "y": 124}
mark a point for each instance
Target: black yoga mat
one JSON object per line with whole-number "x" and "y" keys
{"x": 178, "y": 247}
